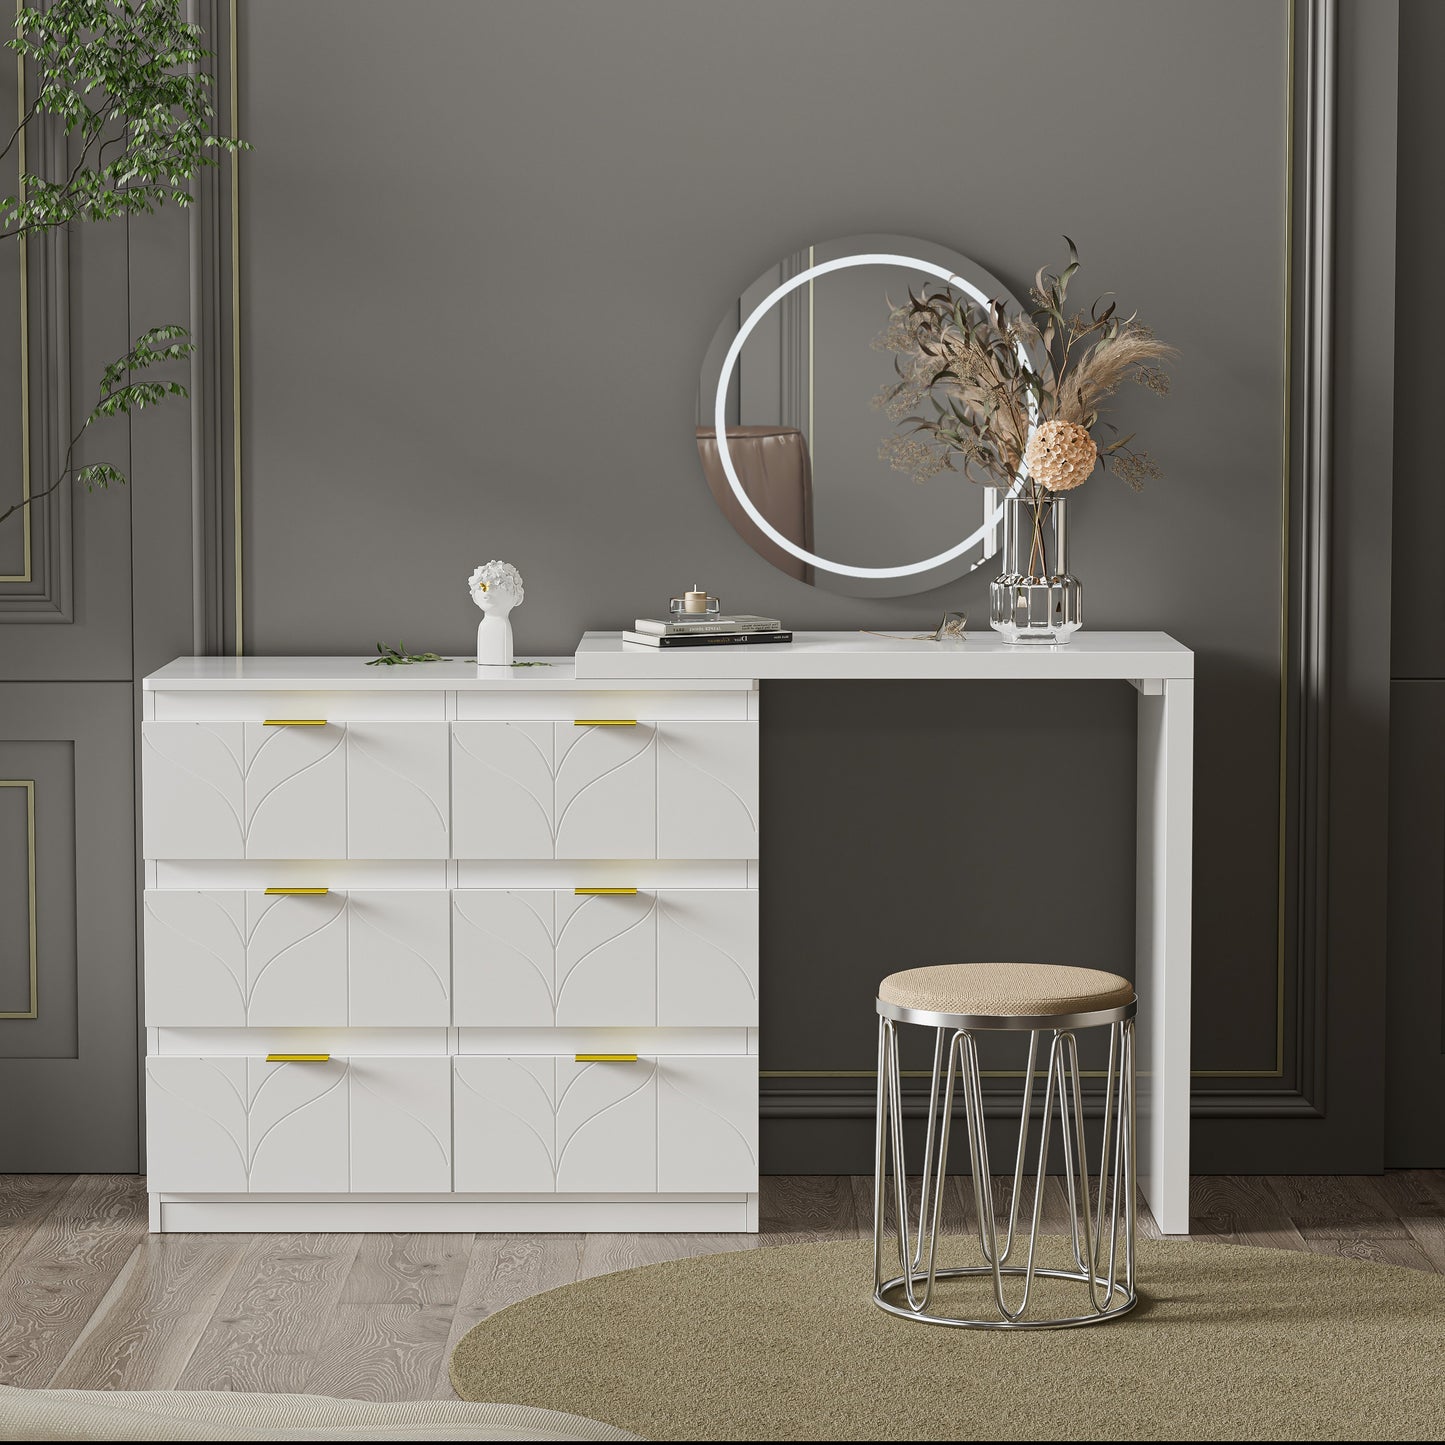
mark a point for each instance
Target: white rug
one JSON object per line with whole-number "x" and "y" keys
{"x": 232, "y": 1415}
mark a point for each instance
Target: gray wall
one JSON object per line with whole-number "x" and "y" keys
{"x": 482, "y": 258}
{"x": 483, "y": 247}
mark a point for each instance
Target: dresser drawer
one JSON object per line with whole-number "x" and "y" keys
{"x": 230, "y": 1125}
{"x": 670, "y": 1124}
{"x": 576, "y": 958}
{"x": 220, "y": 958}
{"x": 305, "y": 788}
{"x": 605, "y": 788}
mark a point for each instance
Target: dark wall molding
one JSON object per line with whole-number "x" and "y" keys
{"x": 1327, "y": 1112}
{"x": 1306, "y": 600}
{"x": 48, "y": 594}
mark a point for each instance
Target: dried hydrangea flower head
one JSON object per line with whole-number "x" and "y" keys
{"x": 1060, "y": 455}
{"x": 497, "y": 586}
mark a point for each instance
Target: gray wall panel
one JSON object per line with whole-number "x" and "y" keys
{"x": 71, "y": 1087}
{"x": 1417, "y": 622}
{"x": 474, "y": 309}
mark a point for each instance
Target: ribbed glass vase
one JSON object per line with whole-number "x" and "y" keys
{"x": 1036, "y": 598}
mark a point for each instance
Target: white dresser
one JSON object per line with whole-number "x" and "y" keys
{"x": 431, "y": 951}
{"x": 461, "y": 891}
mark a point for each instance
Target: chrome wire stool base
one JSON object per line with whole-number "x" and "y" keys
{"x": 1103, "y": 1223}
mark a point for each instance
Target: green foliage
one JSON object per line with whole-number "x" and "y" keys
{"x": 124, "y": 80}
{"x": 396, "y": 657}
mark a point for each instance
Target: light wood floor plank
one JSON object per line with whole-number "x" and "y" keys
{"x": 143, "y": 1332}
{"x": 62, "y": 1272}
{"x": 503, "y": 1269}
{"x": 265, "y": 1331}
{"x": 25, "y": 1200}
{"x": 607, "y": 1253}
{"x": 386, "y": 1339}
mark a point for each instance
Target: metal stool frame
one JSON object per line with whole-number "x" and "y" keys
{"x": 957, "y": 1055}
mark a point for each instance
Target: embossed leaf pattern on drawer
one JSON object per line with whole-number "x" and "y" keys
{"x": 502, "y": 804}
{"x": 194, "y": 800}
{"x": 605, "y": 795}
{"x": 398, "y": 958}
{"x": 561, "y": 1126}
{"x": 543, "y": 1125}
{"x": 239, "y": 1125}
{"x": 707, "y": 957}
{"x": 707, "y": 1112}
{"x": 553, "y": 790}
{"x": 248, "y": 790}
{"x": 538, "y": 957}
{"x": 295, "y": 787}
{"x": 230, "y": 959}
{"x": 397, "y": 781}
{"x": 707, "y": 790}
{"x": 542, "y": 958}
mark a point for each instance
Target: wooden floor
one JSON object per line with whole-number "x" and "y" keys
{"x": 89, "y": 1299}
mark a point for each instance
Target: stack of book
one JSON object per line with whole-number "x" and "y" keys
{"x": 682, "y": 631}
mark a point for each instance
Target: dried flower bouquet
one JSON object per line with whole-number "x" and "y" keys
{"x": 1016, "y": 396}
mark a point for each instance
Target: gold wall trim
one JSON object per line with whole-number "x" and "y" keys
{"x": 238, "y": 561}
{"x": 25, "y": 522}
{"x": 29, "y": 785}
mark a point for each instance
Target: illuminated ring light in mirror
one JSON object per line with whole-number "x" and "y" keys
{"x": 720, "y": 418}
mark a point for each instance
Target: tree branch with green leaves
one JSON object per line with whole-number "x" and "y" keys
{"x": 124, "y": 80}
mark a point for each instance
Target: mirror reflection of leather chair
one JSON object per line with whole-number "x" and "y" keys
{"x": 776, "y": 472}
{"x": 794, "y": 371}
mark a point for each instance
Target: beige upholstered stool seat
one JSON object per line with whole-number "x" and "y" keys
{"x": 1004, "y": 991}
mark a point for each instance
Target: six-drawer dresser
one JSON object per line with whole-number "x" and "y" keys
{"x": 428, "y": 950}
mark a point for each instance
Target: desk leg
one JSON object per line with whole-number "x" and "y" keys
{"x": 1161, "y": 951}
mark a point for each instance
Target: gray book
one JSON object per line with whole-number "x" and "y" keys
{"x": 683, "y": 627}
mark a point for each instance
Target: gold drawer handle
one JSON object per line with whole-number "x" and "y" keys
{"x": 605, "y": 1059}
{"x": 298, "y": 1058}
{"x": 604, "y": 722}
{"x": 581, "y": 892}
{"x": 294, "y": 722}
{"x": 296, "y": 892}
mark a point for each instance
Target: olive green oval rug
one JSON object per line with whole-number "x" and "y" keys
{"x": 785, "y": 1344}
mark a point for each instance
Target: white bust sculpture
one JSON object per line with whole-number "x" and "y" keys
{"x": 496, "y": 588}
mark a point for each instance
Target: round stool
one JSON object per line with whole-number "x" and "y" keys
{"x": 959, "y": 1001}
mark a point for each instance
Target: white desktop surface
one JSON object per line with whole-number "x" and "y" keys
{"x": 1098, "y": 655}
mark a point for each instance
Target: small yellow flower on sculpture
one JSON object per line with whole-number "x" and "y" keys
{"x": 500, "y": 582}
{"x": 1060, "y": 455}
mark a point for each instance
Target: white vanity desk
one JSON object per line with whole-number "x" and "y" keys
{"x": 1162, "y": 670}
{"x": 426, "y": 950}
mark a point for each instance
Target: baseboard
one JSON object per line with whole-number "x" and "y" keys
{"x": 722, "y": 1214}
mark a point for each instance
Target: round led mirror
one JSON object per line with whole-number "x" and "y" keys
{"x": 796, "y": 444}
